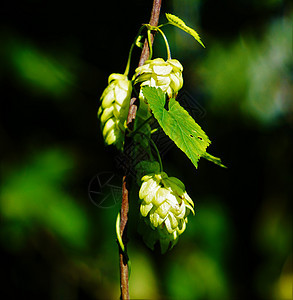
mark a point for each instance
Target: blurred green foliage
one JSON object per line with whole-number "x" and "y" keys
{"x": 38, "y": 70}
{"x": 256, "y": 80}
{"x": 58, "y": 244}
{"x": 33, "y": 196}
{"x": 203, "y": 260}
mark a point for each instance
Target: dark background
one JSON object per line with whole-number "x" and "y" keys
{"x": 59, "y": 243}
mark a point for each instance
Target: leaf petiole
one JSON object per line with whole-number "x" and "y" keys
{"x": 156, "y": 149}
{"x": 120, "y": 242}
{"x": 166, "y": 43}
{"x": 150, "y": 44}
{"x": 157, "y": 28}
{"x": 119, "y": 238}
{"x": 126, "y": 72}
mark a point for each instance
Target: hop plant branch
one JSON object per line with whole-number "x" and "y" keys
{"x": 154, "y": 19}
{"x": 164, "y": 202}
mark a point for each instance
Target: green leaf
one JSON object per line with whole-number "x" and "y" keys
{"x": 177, "y": 124}
{"x": 173, "y": 20}
{"x": 215, "y": 160}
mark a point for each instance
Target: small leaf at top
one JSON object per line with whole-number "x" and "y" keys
{"x": 176, "y": 21}
{"x": 177, "y": 124}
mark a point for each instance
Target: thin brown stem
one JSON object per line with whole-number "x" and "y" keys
{"x": 154, "y": 20}
{"x": 126, "y": 178}
{"x": 123, "y": 233}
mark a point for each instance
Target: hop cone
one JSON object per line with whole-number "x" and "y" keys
{"x": 166, "y": 75}
{"x": 114, "y": 109}
{"x": 165, "y": 206}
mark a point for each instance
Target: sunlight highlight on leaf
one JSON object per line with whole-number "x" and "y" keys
{"x": 176, "y": 21}
{"x": 178, "y": 124}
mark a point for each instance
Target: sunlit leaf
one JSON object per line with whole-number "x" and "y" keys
{"x": 176, "y": 21}
{"x": 177, "y": 124}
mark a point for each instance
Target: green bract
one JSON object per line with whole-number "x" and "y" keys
{"x": 114, "y": 109}
{"x": 159, "y": 73}
{"x": 164, "y": 206}
{"x": 166, "y": 75}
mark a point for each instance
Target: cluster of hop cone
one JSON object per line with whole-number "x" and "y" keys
{"x": 164, "y": 203}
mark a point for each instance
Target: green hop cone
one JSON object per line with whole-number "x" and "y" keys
{"x": 159, "y": 73}
{"x": 166, "y": 75}
{"x": 114, "y": 109}
{"x": 164, "y": 207}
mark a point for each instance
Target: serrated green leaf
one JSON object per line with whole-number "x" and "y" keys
{"x": 177, "y": 124}
{"x": 215, "y": 160}
{"x": 176, "y": 21}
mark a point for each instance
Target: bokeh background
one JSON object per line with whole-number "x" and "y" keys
{"x": 59, "y": 243}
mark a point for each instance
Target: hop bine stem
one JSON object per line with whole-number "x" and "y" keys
{"x": 154, "y": 19}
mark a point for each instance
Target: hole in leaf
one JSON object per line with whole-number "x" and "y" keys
{"x": 200, "y": 138}
{"x": 191, "y": 135}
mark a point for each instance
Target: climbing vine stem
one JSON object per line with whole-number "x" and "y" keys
{"x": 154, "y": 19}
